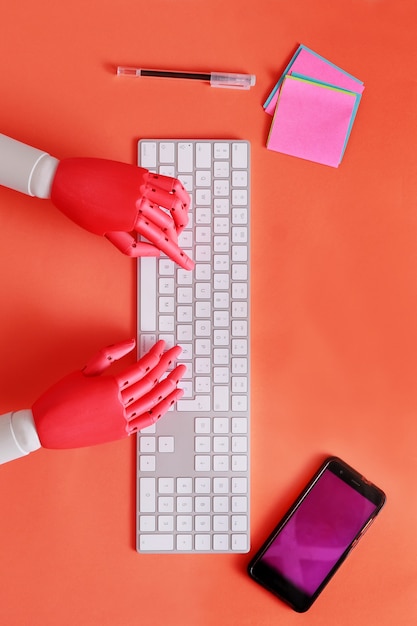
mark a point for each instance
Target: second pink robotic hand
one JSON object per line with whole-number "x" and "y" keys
{"x": 120, "y": 201}
{"x": 87, "y": 408}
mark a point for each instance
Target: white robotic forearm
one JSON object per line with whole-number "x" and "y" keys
{"x": 18, "y": 436}
{"x": 29, "y": 171}
{"x": 92, "y": 406}
{"x": 26, "y": 169}
{"x": 116, "y": 200}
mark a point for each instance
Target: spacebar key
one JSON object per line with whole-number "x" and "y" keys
{"x": 156, "y": 543}
{"x": 147, "y": 286}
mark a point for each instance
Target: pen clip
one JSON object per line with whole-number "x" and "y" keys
{"x": 232, "y": 81}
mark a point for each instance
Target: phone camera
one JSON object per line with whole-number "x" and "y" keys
{"x": 340, "y": 472}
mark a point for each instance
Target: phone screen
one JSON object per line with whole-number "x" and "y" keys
{"x": 317, "y": 534}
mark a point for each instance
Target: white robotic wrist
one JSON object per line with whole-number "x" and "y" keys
{"x": 18, "y": 436}
{"x": 26, "y": 169}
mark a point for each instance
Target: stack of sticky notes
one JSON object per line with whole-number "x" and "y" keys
{"x": 313, "y": 105}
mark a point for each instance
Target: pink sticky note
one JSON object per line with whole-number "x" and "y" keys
{"x": 311, "y": 121}
{"x": 311, "y": 65}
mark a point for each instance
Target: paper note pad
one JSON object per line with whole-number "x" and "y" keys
{"x": 313, "y": 104}
{"x": 312, "y": 120}
{"x": 305, "y": 62}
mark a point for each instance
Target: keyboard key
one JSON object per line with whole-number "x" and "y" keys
{"x": 240, "y": 404}
{"x": 221, "y": 425}
{"x": 239, "y": 346}
{"x": 147, "y": 444}
{"x": 221, "y": 463}
{"x": 147, "y": 463}
{"x": 221, "y": 225}
{"x": 147, "y": 523}
{"x": 221, "y": 150}
{"x": 220, "y": 444}
{"x": 239, "y": 197}
{"x": 166, "y": 504}
{"x": 147, "y": 315}
{"x": 202, "y": 485}
{"x": 239, "y": 178}
{"x": 147, "y": 490}
{"x": 239, "y": 523}
{"x": 239, "y": 216}
{"x": 221, "y": 398}
{"x": 221, "y": 206}
{"x": 221, "y": 169}
{"x": 185, "y": 485}
{"x": 220, "y": 542}
{"x": 185, "y": 157}
{"x": 166, "y": 485}
{"x": 221, "y": 504}
{"x": 240, "y": 543}
{"x": 203, "y": 444}
{"x": 166, "y": 444}
{"x": 221, "y": 523}
{"x": 148, "y": 154}
{"x": 184, "y": 543}
{"x": 185, "y": 313}
{"x": 185, "y": 523}
{"x": 202, "y": 504}
{"x": 239, "y": 484}
{"x": 239, "y": 155}
{"x": 239, "y": 463}
{"x": 167, "y": 170}
{"x": 203, "y": 178}
{"x": 167, "y": 152}
{"x": 221, "y": 187}
{"x": 202, "y": 543}
{"x": 203, "y": 154}
{"x": 202, "y": 463}
{"x": 202, "y": 424}
{"x": 203, "y": 197}
{"x": 166, "y": 523}
{"x": 239, "y": 444}
{"x": 239, "y": 425}
{"x": 239, "y": 504}
{"x": 203, "y": 215}
{"x": 220, "y": 485}
{"x": 156, "y": 542}
{"x": 184, "y": 504}
{"x": 165, "y": 267}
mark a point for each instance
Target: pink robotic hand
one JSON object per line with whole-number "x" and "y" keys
{"x": 86, "y": 408}
{"x": 119, "y": 201}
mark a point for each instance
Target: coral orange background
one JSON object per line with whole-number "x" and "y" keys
{"x": 334, "y": 301}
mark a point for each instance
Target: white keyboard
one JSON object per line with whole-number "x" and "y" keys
{"x": 193, "y": 465}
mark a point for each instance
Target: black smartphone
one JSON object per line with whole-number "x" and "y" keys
{"x": 316, "y": 535}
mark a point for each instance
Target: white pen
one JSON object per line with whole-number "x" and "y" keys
{"x": 216, "y": 79}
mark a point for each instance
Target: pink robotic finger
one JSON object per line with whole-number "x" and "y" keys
{"x": 159, "y": 217}
{"x": 148, "y": 383}
{"x": 172, "y": 185}
{"x": 177, "y": 209}
{"x": 82, "y": 410}
{"x": 146, "y": 228}
{"x": 152, "y": 416}
{"x": 150, "y": 388}
{"x": 155, "y": 360}
{"x": 105, "y": 357}
{"x": 128, "y": 245}
{"x": 104, "y": 197}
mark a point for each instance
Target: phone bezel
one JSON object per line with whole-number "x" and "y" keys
{"x": 277, "y": 584}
